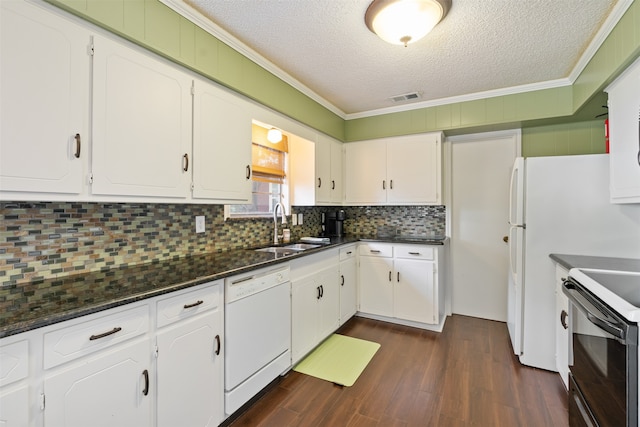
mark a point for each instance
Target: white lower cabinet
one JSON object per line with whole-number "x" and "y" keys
{"x": 157, "y": 362}
{"x": 348, "y": 283}
{"x": 562, "y": 326}
{"x": 400, "y": 282}
{"x": 109, "y": 388}
{"x": 15, "y": 389}
{"x": 315, "y": 301}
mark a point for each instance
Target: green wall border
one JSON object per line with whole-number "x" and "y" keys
{"x": 156, "y": 27}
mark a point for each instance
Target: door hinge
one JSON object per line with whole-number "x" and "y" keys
{"x": 155, "y": 352}
{"x": 192, "y": 186}
{"x": 90, "y": 178}
{"x": 193, "y": 88}
{"x": 91, "y": 48}
{"x": 42, "y": 401}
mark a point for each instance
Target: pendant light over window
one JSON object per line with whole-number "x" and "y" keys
{"x": 274, "y": 135}
{"x": 404, "y": 21}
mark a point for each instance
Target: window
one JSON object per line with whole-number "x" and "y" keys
{"x": 269, "y": 166}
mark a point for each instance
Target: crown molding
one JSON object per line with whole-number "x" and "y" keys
{"x": 188, "y": 12}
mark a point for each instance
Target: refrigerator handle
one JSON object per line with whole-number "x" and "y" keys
{"x": 511, "y": 184}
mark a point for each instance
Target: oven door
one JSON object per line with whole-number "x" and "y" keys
{"x": 603, "y": 361}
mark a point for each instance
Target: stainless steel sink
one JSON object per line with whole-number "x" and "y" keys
{"x": 302, "y": 246}
{"x": 289, "y": 249}
{"x": 277, "y": 250}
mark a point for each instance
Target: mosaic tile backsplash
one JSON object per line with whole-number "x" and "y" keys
{"x": 46, "y": 240}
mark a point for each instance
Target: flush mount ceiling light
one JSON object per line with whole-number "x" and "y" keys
{"x": 274, "y": 135}
{"x": 404, "y": 21}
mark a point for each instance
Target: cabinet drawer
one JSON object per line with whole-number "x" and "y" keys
{"x": 414, "y": 252}
{"x": 347, "y": 253}
{"x": 14, "y": 360}
{"x": 376, "y": 249}
{"x": 187, "y": 304}
{"x": 94, "y": 333}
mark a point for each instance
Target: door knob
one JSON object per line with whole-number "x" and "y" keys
{"x": 505, "y": 239}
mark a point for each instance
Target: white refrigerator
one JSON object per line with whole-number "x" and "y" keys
{"x": 558, "y": 205}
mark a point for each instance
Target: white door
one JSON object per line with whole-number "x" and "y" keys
{"x": 365, "y": 172}
{"x": 412, "y": 169}
{"x": 44, "y": 101}
{"x": 141, "y": 124}
{"x": 221, "y": 146}
{"x": 111, "y": 388}
{"x": 323, "y": 170}
{"x": 329, "y": 303}
{"x": 376, "y": 286}
{"x": 190, "y": 372}
{"x": 348, "y": 289}
{"x": 336, "y": 172}
{"x": 305, "y": 294}
{"x": 480, "y": 172}
{"x": 414, "y": 293}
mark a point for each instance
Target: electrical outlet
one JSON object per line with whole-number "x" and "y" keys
{"x": 294, "y": 219}
{"x": 299, "y": 219}
{"x": 200, "y": 224}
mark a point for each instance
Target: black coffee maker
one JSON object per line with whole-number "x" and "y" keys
{"x": 333, "y": 223}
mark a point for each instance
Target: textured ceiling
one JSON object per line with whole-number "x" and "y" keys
{"x": 480, "y": 46}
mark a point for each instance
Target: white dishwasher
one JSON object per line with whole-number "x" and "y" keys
{"x": 257, "y": 333}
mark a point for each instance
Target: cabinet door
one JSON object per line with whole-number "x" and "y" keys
{"x": 376, "y": 286}
{"x": 348, "y": 289}
{"x": 329, "y": 302}
{"x": 414, "y": 297}
{"x": 305, "y": 294}
{"x": 562, "y": 331}
{"x": 413, "y": 169}
{"x": 221, "y": 146}
{"x": 337, "y": 181}
{"x": 323, "y": 181}
{"x": 190, "y": 369}
{"x": 44, "y": 101}
{"x": 624, "y": 119}
{"x": 365, "y": 172}
{"x": 14, "y": 406}
{"x": 110, "y": 388}
{"x": 141, "y": 124}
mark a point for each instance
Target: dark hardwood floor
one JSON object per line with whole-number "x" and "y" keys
{"x": 464, "y": 376}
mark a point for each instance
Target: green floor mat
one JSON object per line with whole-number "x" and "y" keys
{"x": 339, "y": 359}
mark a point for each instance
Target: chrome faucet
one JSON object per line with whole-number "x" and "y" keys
{"x": 276, "y": 237}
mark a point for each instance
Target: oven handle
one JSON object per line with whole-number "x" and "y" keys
{"x": 591, "y": 311}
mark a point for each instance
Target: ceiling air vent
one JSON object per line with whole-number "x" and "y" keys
{"x": 405, "y": 97}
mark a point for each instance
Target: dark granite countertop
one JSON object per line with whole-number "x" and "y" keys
{"x": 596, "y": 262}
{"x": 31, "y": 306}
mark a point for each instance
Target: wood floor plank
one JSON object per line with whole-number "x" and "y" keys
{"x": 465, "y": 376}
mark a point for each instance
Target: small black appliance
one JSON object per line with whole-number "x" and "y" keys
{"x": 333, "y": 223}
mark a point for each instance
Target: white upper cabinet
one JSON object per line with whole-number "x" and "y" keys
{"x": 141, "y": 124}
{"x": 395, "y": 171}
{"x": 221, "y": 146}
{"x": 365, "y": 172}
{"x": 624, "y": 136}
{"x": 44, "y": 103}
{"x": 328, "y": 162}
